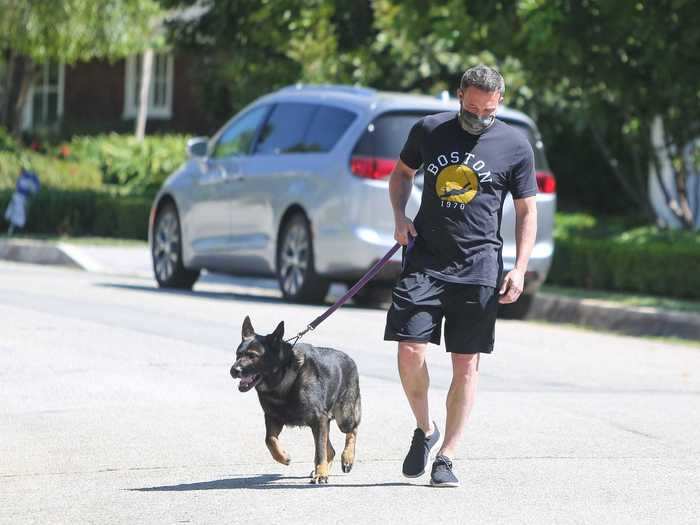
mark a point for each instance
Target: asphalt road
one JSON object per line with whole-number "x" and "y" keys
{"x": 116, "y": 407}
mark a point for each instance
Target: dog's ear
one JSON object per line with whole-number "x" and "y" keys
{"x": 247, "y": 332}
{"x": 278, "y": 334}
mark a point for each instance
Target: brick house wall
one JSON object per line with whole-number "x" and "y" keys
{"x": 94, "y": 100}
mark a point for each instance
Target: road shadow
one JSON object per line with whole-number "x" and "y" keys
{"x": 260, "y": 482}
{"x": 226, "y": 296}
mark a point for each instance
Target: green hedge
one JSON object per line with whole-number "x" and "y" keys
{"x": 52, "y": 172}
{"x": 84, "y": 212}
{"x": 590, "y": 253}
{"x": 134, "y": 168}
{"x": 100, "y": 185}
{"x": 7, "y": 141}
{"x": 113, "y": 161}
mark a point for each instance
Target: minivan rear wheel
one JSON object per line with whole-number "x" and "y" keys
{"x": 296, "y": 273}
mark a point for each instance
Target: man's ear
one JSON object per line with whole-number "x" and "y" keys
{"x": 247, "y": 331}
{"x": 278, "y": 334}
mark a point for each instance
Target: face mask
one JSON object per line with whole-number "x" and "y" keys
{"x": 474, "y": 124}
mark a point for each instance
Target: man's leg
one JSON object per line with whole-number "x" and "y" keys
{"x": 415, "y": 317}
{"x": 460, "y": 399}
{"x": 415, "y": 381}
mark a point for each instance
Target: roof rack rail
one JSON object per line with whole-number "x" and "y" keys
{"x": 343, "y": 88}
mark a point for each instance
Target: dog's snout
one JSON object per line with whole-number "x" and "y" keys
{"x": 235, "y": 372}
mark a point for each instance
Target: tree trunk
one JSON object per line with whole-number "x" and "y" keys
{"x": 635, "y": 195}
{"x": 8, "y": 59}
{"x": 679, "y": 177}
{"x": 146, "y": 69}
{"x": 676, "y": 201}
{"x": 28, "y": 77}
{"x": 21, "y": 71}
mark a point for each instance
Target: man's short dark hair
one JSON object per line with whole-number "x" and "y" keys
{"x": 483, "y": 77}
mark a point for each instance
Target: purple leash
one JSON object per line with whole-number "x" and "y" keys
{"x": 352, "y": 291}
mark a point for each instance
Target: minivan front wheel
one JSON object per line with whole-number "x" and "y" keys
{"x": 166, "y": 251}
{"x": 296, "y": 275}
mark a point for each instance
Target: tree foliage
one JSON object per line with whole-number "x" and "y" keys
{"x": 246, "y": 47}
{"x": 72, "y": 30}
{"x": 614, "y": 66}
{"x": 37, "y": 31}
{"x": 596, "y": 73}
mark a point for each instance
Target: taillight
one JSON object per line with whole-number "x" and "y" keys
{"x": 372, "y": 167}
{"x": 546, "y": 183}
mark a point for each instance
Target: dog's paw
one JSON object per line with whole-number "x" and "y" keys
{"x": 347, "y": 460}
{"x": 320, "y": 474}
{"x": 319, "y": 480}
{"x": 280, "y": 456}
{"x": 283, "y": 458}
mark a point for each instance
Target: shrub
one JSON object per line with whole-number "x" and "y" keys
{"x": 53, "y": 173}
{"x": 644, "y": 260}
{"x": 7, "y": 141}
{"x": 134, "y": 168}
{"x": 85, "y": 212}
{"x": 595, "y": 227}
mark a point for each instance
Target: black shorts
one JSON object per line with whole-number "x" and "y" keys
{"x": 420, "y": 301}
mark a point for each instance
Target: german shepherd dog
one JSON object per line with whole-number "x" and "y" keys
{"x": 302, "y": 386}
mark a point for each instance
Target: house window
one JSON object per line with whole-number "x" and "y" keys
{"x": 44, "y": 104}
{"x": 160, "y": 94}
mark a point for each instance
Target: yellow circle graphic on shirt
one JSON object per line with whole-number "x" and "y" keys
{"x": 457, "y": 183}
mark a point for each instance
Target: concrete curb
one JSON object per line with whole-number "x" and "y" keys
{"x": 606, "y": 315}
{"x": 591, "y": 313}
{"x": 36, "y": 252}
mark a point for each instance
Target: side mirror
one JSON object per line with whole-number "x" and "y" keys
{"x": 197, "y": 146}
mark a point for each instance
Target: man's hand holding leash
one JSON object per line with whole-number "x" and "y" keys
{"x": 404, "y": 230}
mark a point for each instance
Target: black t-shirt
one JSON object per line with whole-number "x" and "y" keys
{"x": 467, "y": 178}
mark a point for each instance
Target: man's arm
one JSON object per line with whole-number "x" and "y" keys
{"x": 400, "y": 186}
{"x": 525, "y": 234}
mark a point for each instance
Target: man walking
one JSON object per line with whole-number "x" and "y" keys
{"x": 453, "y": 269}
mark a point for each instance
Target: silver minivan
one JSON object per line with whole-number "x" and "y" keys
{"x": 296, "y": 186}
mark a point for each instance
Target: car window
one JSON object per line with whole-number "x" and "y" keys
{"x": 327, "y": 126}
{"x": 386, "y": 135}
{"x": 537, "y": 146}
{"x": 285, "y": 129}
{"x": 238, "y": 138}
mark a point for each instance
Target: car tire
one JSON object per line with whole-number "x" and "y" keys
{"x": 166, "y": 251}
{"x": 517, "y": 310}
{"x": 373, "y": 295}
{"x": 296, "y": 273}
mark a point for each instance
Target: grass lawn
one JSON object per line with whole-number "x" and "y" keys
{"x": 626, "y": 299}
{"x": 583, "y": 328}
